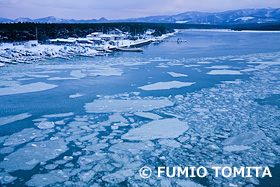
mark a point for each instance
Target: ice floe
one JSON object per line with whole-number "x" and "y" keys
{"x": 46, "y": 125}
{"x": 29, "y": 156}
{"x": 6, "y": 178}
{"x": 236, "y": 148}
{"x": 75, "y": 95}
{"x": 173, "y": 74}
{"x": 11, "y": 119}
{"x": 245, "y": 138}
{"x": 166, "y": 128}
{"x": 58, "y": 115}
{"x": 148, "y": 115}
{"x": 224, "y": 72}
{"x": 27, "y": 88}
{"x": 166, "y": 85}
{"x": 107, "y": 72}
{"x": 218, "y": 67}
{"x": 116, "y": 105}
{"x": 77, "y": 73}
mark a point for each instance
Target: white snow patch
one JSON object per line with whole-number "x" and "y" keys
{"x": 244, "y": 18}
{"x": 166, "y": 85}
{"x": 166, "y": 128}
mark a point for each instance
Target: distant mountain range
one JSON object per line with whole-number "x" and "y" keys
{"x": 243, "y": 16}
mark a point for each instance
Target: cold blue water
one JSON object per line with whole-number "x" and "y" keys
{"x": 210, "y": 100}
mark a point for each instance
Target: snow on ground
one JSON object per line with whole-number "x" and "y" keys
{"x": 166, "y": 85}
{"x": 27, "y": 88}
{"x": 166, "y": 128}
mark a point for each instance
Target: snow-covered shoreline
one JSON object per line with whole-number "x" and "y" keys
{"x": 13, "y": 54}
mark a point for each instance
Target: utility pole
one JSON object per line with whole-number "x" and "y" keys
{"x": 36, "y": 34}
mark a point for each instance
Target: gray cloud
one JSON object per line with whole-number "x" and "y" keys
{"x": 117, "y": 9}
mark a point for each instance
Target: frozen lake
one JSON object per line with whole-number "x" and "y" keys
{"x": 212, "y": 100}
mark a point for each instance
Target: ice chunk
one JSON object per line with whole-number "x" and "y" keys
{"x": 117, "y": 118}
{"x": 218, "y": 67}
{"x": 62, "y": 78}
{"x": 23, "y": 136}
{"x": 75, "y": 95}
{"x": 29, "y": 156}
{"x": 6, "y": 150}
{"x": 133, "y": 148}
{"x": 58, "y": 115}
{"x": 173, "y": 74}
{"x": 27, "y": 88}
{"x": 246, "y": 138}
{"x": 77, "y": 73}
{"x": 47, "y": 179}
{"x": 6, "y": 178}
{"x": 188, "y": 183}
{"x": 166, "y": 128}
{"x": 233, "y": 148}
{"x": 107, "y": 106}
{"x": 10, "y": 119}
{"x": 86, "y": 176}
{"x": 148, "y": 115}
{"x": 118, "y": 177}
{"x": 224, "y": 72}
{"x": 166, "y": 85}
{"x": 204, "y": 62}
{"x": 107, "y": 72}
{"x": 169, "y": 143}
{"x": 46, "y": 125}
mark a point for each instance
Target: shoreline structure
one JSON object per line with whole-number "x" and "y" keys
{"x": 94, "y": 44}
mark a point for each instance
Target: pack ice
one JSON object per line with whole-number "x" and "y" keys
{"x": 117, "y": 105}
{"x": 166, "y": 128}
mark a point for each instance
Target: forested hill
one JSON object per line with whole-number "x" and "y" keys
{"x": 11, "y": 32}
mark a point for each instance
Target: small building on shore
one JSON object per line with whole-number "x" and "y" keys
{"x": 31, "y": 43}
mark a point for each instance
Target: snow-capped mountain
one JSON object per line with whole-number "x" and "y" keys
{"x": 52, "y": 19}
{"x": 243, "y": 16}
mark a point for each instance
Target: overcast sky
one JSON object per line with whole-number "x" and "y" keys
{"x": 119, "y": 9}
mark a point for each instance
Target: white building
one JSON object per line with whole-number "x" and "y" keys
{"x": 31, "y": 43}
